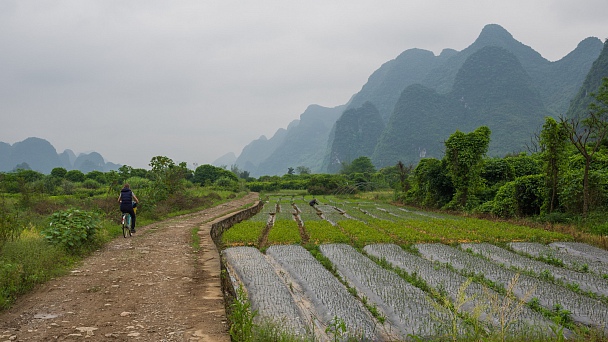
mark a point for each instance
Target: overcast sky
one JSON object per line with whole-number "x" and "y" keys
{"x": 193, "y": 80}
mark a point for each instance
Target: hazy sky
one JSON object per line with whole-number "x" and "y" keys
{"x": 193, "y": 80}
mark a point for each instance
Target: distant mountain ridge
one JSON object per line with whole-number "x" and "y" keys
{"x": 593, "y": 80}
{"x": 39, "y": 155}
{"x": 303, "y": 143}
{"x": 421, "y": 98}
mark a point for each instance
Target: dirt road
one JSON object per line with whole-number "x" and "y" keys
{"x": 151, "y": 287}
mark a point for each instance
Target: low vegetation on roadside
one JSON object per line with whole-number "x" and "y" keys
{"x": 49, "y": 222}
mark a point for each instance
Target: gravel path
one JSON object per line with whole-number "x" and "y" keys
{"x": 151, "y": 287}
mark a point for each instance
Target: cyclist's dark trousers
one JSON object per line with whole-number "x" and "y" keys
{"x": 132, "y": 213}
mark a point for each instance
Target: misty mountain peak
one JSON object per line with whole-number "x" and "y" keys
{"x": 448, "y": 53}
{"x": 494, "y": 32}
{"x": 591, "y": 43}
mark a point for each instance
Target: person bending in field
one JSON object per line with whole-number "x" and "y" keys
{"x": 128, "y": 201}
{"x": 313, "y": 202}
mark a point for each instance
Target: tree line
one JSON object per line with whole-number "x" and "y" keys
{"x": 566, "y": 172}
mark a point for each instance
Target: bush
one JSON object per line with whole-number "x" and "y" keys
{"x": 137, "y": 183}
{"x": 529, "y": 194}
{"x": 322, "y": 184}
{"x": 71, "y": 229}
{"x": 263, "y": 186}
{"x": 9, "y": 230}
{"x": 90, "y": 184}
{"x": 226, "y": 183}
{"x": 10, "y": 274}
{"x": 74, "y": 176}
{"x": 505, "y": 204}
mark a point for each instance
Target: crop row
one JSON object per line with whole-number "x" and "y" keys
{"x": 265, "y": 289}
{"x": 408, "y": 309}
{"x": 330, "y": 300}
{"x": 398, "y": 294}
{"x": 284, "y": 232}
{"x": 497, "y": 311}
{"x": 584, "y": 281}
{"x": 585, "y": 262}
{"x": 584, "y": 309}
{"x": 587, "y": 251}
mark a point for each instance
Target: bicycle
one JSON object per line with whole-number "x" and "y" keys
{"x": 126, "y": 224}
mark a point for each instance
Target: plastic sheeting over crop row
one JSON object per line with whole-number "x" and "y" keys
{"x": 290, "y": 286}
{"x": 584, "y": 309}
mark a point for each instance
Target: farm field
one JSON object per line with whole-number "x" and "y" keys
{"x": 371, "y": 271}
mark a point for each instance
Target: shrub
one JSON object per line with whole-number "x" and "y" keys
{"x": 71, "y": 229}
{"x": 325, "y": 184}
{"x": 263, "y": 186}
{"x": 529, "y": 194}
{"x": 9, "y": 283}
{"x": 90, "y": 184}
{"x": 74, "y": 176}
{"x": 226, "y": 183}
{"x": 521, "y": 197}
{"x": 138, "y": 183}
{"x": 26, "y": 262}
{"x": 9, "y": 230}
{"x": 505, "y": 204}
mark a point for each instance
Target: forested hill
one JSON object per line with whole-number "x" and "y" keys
{"x": 419, "y": 98}
{"x": 592, "y": 82}
{"x": 491, "y": 88}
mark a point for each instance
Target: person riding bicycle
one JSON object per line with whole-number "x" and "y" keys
{"x": 128, "y": 201}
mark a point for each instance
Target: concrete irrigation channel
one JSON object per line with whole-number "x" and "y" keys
{"x": 384, "y": 292}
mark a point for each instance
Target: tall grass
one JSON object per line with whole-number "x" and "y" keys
{"x": 27, "y": 262}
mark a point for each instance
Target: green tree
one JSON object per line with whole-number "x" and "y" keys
{"x": 125, "y": 172}
{"x": 524, "y": 164}
{"x": 553, "y": 139}
{"x": 303, "y": 170}
{"x": 139, "y": 172}
{"x": 97, "y": 176}
{"x": 74, "y": 176}
{"x": 166, "y": 177}
{"x": 59, "y": 172}
{"x": 319, "y": 184}
{"x": 207, "y": 174}
{"x": 28, "y": 176}
{"x": 22, "y": 166}
{"x": 431, "y": 185}
{"x": 587, "y": 135}
{"x": 403, "y": 172}
{"x": 464, "y": 160}
{"x": 360, "y": 165}
{"x": 112, "y": 180}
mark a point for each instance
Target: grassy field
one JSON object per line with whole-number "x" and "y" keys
{"x": 365, "y": 221}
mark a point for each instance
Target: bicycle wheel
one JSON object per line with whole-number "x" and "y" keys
{"x": 126, "y": 225}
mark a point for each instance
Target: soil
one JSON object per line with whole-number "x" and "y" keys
{"x": 151, "y": 287}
